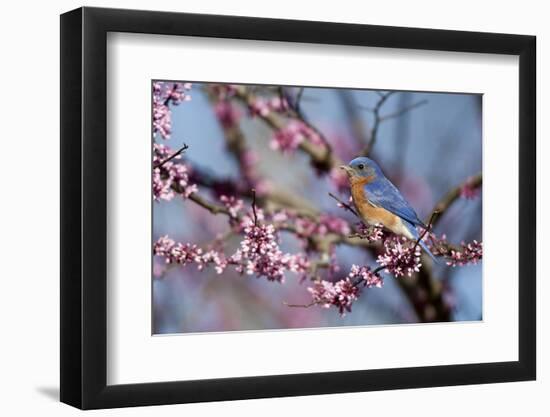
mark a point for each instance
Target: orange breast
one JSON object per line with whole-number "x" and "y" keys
{"x": 368, "y": 212}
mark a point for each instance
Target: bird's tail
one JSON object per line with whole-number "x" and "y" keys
{"x": 427, "y": 250}
{"x": 422, "y": 244}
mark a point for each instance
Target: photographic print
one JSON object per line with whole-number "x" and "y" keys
{"x": 294, "y": 207}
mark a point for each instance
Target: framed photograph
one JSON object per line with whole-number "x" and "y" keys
{"x": 258, "y": 208}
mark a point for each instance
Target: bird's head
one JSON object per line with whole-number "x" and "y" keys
{"x": 362, "y": 167}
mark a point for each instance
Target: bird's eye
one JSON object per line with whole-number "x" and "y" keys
{"x": 360, "y": 166}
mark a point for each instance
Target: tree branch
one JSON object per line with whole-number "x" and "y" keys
{"x": 323, "y": 159}
{"x": 448, "y": 199}
{"x": 377, "y": 120}
{"x": 344, "y": 205}
{"x": 321, "y": 156}
{"x": 353, "y": 116}
{"x": 178, "y": 152}
{"x": 211, "y": 207}
{"x": 402, "y": 111}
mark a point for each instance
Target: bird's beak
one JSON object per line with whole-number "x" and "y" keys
{"x": 348, "y": 169}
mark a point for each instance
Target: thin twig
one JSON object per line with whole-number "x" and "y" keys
{"x": 402, "y": 111}
{"x": 379, "y": 119}
{"x": 211, "y": 207}
{"x": 426, "y": 230}
{"x": 169, "y": 97}
{"x": 448, "y": 199}
{"x": 321, "y": 156}
{"x": 374, "y": 131}
{"x": 301, "y": 305}
{"x": 354, "y": 117}
{"x": 376, "y": 271}
{"x": 299, "y": 98}
{"x": 179, "y": 151}
{"x": 344, "y": 205}
{"x": 254, "y": 207}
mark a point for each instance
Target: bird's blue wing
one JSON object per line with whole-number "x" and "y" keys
{"x": 382, "y": 193}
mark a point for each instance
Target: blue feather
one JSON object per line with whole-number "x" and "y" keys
{"x": 416, "y": 235}
{"x": 382, "y": 193}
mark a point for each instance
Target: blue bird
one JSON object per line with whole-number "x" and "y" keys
{"x": 378, "y": 201}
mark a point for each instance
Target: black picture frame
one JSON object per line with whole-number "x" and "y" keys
{"x": 84, "y": 207}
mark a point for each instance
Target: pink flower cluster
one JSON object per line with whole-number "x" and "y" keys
{"x": 165, "y": 94}
{"x": 469, "y": 190}
{"x": 401, "y": 256}
{"x": 340, "y": 294}
{"x": 468, "y": 253}
{"x": 326, "y": 224}
{"x": 339, "y": 179}
{"x": 370, "y": 233}
{"x": 232, "y": 204}
{"x": 170, "y": 178}
{"x": 227, "y": 113}
{"x": 186, "y": 253}
{"x": 290, "y": 136}
{"x": 368, "y": 277}
{"x": 260, "y": 254}
{"x": 223, "y": 91}
{"x": 262, "y": 107}
{"x": 471, "y": 253}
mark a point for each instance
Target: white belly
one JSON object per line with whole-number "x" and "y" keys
{"x": 400, "y": 229}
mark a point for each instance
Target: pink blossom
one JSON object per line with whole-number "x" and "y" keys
{"x": 437, "y": 245}
{"x": 259, "y": 107}
{"x": 370, "y": 278}
{"x": 281, "y": 216}
{"x": 288, "y": 138}
{"x": 346, "y": 206}
{"x": 232, "y": 204}
{"x": 370, "y": 233}
{"x": 247, "y": 161}
{"x": 339, "y": 179}
{"x": 165, "y": 94}
{"x": 343, "y": 293}
{"x": 469, "y": 190}
{"x": 216, "y": 258}
{"x": 400, "y": 258}
{"x": 467, "y": 253}
{"x": 170, "y": 178}
{"x": 249, "y": 158}
{"x": 322, "y": 226}
{"x": 279, "y": 104}
{"x": 260, "y": 254}
{"x": 247, "y": 219}
{"x": 340, "y": 294}
{"x": 223, "y": 91}
{"x": 186, "y": 253}
{"x": 177, "y": 252}
{"x": 333, "y": 224}
{"x": 471, "y": 253}
{"x": 228, "y": 114}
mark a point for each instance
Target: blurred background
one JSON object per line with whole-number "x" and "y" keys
{"x": 427, "y": 144}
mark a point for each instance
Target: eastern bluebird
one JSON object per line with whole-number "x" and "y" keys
{"x": 377, "y": 200}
